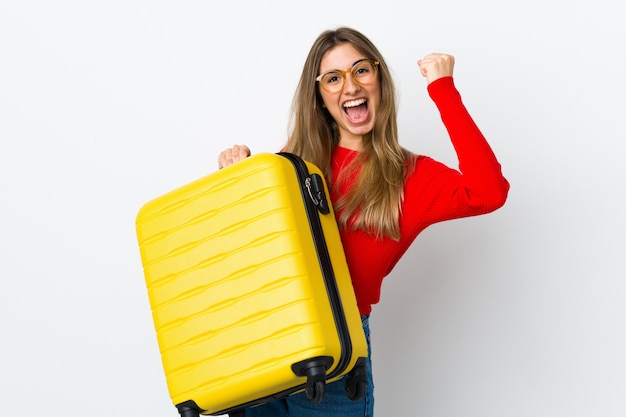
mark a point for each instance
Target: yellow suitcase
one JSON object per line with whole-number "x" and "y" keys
{"x": 249, "y": 288}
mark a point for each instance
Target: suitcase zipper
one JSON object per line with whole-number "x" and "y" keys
{"x": 315, "y": 187}
{"x": 314, "y": 198}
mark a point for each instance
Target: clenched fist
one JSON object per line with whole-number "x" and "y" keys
{"x": 435, "y": 66}
{"x": 231, "y": 155}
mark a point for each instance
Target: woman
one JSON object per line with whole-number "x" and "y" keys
{"x": 344, "y": 121}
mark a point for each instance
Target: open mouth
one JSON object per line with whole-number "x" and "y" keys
{"x": 356, "y": 110}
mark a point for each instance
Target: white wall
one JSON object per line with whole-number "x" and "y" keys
{"x": 105, "y": 105}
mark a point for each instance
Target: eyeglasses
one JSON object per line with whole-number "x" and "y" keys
{"x": 363, "y": 72}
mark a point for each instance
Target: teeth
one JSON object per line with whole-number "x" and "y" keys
{"x": 354, "y": 103}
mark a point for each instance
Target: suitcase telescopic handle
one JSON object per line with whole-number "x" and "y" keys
{"x": 315, "y": 187}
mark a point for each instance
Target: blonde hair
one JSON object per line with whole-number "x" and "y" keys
{"x": 373, "y": 203}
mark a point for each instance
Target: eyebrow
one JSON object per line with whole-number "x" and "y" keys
{"x": 337, "y": 69}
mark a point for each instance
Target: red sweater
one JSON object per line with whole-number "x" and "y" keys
{"x": 433, "y": 193}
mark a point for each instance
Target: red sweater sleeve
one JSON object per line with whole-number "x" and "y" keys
{"x": 477, "y": 187}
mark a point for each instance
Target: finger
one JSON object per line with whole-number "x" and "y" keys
{"x": 437, "y": 58}
{"x": 225, "y": 158}
{"x": 422, "y": 67}
{"x": 240, "y": 152}
{"x": 425, "y": 64}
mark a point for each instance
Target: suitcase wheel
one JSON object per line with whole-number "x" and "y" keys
{"x": 188, "y": 409}
{"x": 314, "y": 370}
{"x": 315, "y": 390}
{"x": 356, "y": 383}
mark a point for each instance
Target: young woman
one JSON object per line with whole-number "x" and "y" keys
{"x": 344, "y": 121}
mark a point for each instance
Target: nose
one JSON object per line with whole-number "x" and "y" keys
{"x": 350, "y": 84}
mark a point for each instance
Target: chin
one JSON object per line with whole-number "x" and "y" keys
{"x": 361, "y": 131}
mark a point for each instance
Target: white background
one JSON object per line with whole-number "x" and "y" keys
{"x": 105, "y": 105}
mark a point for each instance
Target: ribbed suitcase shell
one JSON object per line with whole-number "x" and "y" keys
{"x": 236, "y": 286}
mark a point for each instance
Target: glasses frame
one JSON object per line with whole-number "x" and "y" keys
{"x": 344, "y": 74}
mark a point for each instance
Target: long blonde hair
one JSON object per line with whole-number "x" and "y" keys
{"x": 373, "y": 203}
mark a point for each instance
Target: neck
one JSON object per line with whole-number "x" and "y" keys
{"x": 355, "y": 143}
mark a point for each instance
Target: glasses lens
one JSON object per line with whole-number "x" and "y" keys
{"x": 364, "y": 72}
{"x": 332, "y": 81}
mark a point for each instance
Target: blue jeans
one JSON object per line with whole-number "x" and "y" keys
{"x": 334, "y": 404}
